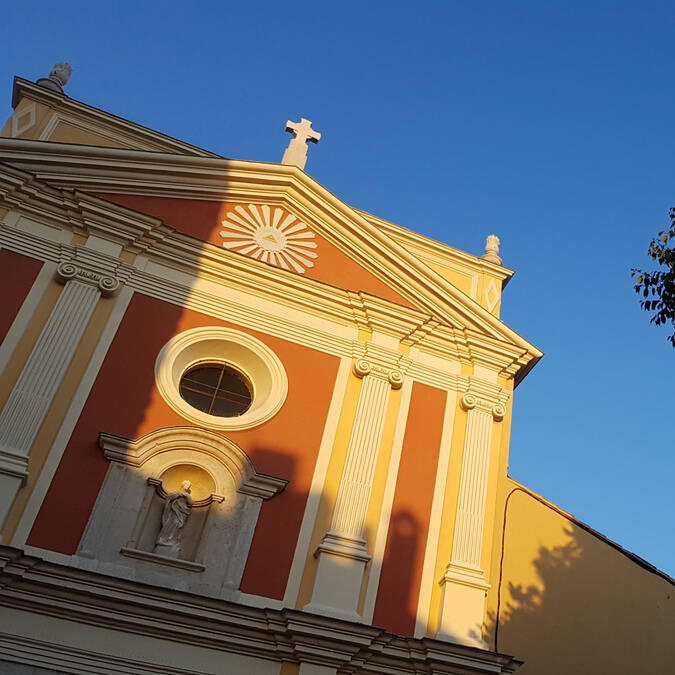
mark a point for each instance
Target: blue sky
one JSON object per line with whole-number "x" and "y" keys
{"x": 549, "y": 124}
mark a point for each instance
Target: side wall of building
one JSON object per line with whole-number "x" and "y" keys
{"x": 570, "y": 602}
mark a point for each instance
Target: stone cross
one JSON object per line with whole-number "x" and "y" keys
{"x": 296, "y": 152}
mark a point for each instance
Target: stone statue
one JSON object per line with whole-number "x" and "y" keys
{"x": 492, "y": 249}
{"x": 176, "y": 512}
{"x": 57, "y": 79}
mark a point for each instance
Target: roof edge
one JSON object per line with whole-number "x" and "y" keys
{"x": 64, "y": 103}
{"x": 587, "y": 528}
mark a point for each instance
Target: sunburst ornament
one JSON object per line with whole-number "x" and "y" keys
{"x": 265, "y": 234}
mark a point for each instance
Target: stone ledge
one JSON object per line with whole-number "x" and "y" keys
{"x": 162, "y": 559}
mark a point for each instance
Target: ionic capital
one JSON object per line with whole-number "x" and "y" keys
{"x": 364, "y": 367}
{"x": 107, "y": 285}
{"x": 470, "y": 401}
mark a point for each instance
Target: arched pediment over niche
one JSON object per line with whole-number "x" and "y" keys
{"x": 156, "y": 452}
{"x": 199, "y": 546}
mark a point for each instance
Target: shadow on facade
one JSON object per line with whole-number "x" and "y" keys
{"x": 570, "y": 602}
{"x": 397, "y": 595}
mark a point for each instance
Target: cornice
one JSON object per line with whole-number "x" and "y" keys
{"x": 199, "y": 177}
{"x": 165, "y": 249}
{"x": 123, "y": 130}
{"x": 437, "y": 251}
{"x": 32, "y": 584}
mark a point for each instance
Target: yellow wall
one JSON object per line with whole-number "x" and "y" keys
{"x": 571, "y": 603}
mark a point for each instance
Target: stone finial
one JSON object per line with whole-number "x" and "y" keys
{"x": 492, "y": 250}
{"x": 296, "y": 152}
{"x": 58, "y": 77}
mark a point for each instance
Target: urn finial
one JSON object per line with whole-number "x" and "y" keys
{"x": 59, "y": 75}
{"x": 492, "y": 249}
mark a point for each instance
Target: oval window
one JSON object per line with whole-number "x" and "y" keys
{"x": 217, "y": 389}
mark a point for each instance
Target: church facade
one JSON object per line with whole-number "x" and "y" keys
{"x": 248, "y": 428}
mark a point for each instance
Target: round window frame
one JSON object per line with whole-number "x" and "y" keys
{"x": 215, "y": 344}
{"x": 220, "y": 364}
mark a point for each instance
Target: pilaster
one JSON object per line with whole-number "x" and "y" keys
{"x": 33, "y": 392}
{"x": 464, "y": 584}
{"x": 342, "y": 554}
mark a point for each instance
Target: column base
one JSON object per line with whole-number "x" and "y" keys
{"x": 13, "y": 476}
{"x": 339, "y": 575}
{"x": 463, "y": 606}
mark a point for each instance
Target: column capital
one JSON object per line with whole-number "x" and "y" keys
{"x": 470, "y": 401}
{"x": 107, "y": 285}
{"x": 105, "y": 272}
{"x": 364, "y": 366}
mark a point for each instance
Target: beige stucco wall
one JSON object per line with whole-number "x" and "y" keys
{"x": 571, "y": 603}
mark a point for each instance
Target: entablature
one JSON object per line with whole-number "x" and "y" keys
{"x": 181, "y": 269}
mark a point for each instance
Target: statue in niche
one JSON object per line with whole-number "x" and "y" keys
{"x": 174, "y": 516}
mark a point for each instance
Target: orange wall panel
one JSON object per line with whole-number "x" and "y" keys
{"x": 17, "y": 275}
{"x": 396, "y": 604}
{"x": 125, "y": 401}
{"x": 201, "y": 219}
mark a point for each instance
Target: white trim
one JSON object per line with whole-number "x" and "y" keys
{"x": 157, "y": 451}
{"x": 81, "y": 125}
{"x": 26, "y": 313}
{"x": 69, "y": 165}
{"x": 134, "y": 615}
{"x": 17, "y": 129}
{"x": 318, "y": 479}
{"x": 222, "y": 345}
{"x": 387, "y": 502}
{"x": 43, "y": 372}
{"x": 69, "y": 421}
{"x": 434, "y": 532}
{"x": 258, "y": 601}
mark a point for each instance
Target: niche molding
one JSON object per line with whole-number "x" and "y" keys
{"x": 226, "y": 494}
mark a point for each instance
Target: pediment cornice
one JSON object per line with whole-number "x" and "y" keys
{"x": 71, "y": 171}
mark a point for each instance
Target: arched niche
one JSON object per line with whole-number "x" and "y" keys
{"x": 161, "y": 449}
{"x": 219, "y": 513}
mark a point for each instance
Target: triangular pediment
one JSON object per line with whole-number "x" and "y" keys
{"x": 273, "y": 234}
{"x": 47, "y": 115}
{"x": 181, "y": 190}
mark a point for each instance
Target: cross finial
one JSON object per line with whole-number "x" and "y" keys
{"x": 296, "y": 152}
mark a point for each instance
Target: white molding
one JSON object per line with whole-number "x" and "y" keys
{"x": 17, "y": 127}
{"x": 170, "y": 446}
{"x": 69, "y": 166}
{"x": 434, "y": 531}
{"x": 69, "y": 421}
{"x": 318, "y": 479}
{"x": 129, "y": 613}
{"x": 41, "y": 376}
{"x": 135, "y": 135}
{"x": 342, "y": 553}
{"x": 387, "y": 502}
{"x": 202, "y": 273}
{"x": 463, "y": 585}
{"x": 216, "y": 344}
{"x": 468, "y": 536}
{"x": 358, "y": 473}
{"x": 56, "y": 118}
{"x": 258, "y": 601}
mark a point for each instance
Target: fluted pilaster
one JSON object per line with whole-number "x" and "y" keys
{"x": 34, "y": 391}
{"x": 359, "y": 470}
{"x": 342, "y": 553}
{"x": 464, "y": 584}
